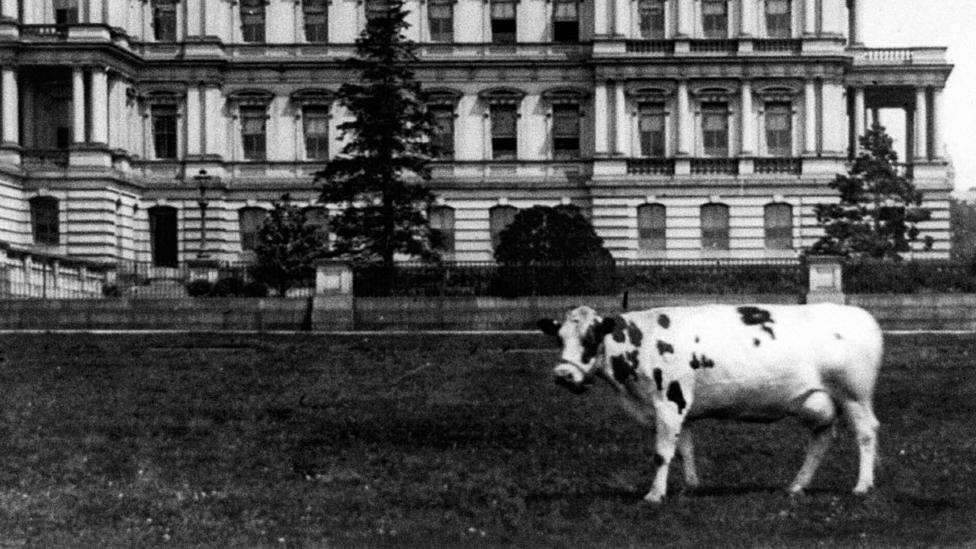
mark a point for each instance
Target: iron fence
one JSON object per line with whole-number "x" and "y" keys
{"x": 485, "y": 279}
{"x": 909, "y": 277}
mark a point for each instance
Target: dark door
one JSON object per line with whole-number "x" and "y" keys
{"x": 162, "y": 235}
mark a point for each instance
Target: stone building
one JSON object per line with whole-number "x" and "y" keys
{"x": 160, "y": 130}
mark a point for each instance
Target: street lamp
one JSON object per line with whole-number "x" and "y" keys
{"x": 203, "y": 181}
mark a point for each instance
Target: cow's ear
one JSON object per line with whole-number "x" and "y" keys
{"x": 548, "y": 326}
{"x": 606, "y": 326}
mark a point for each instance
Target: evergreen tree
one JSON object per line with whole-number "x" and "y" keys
{"x": 379, "y": 177}
{"x": 878, "y": 210}
{"x": 287, "y": 247}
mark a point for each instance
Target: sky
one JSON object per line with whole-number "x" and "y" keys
{"x": 951, "y": 23}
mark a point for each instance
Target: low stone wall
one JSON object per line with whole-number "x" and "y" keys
{"x": 920, "y": 311}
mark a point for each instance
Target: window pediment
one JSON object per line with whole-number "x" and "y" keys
{"x": 713, "y": 94}
{"x": 502, "y": 96}
{"x": 648, "y": 94}
{"x": 565, "y": 96}
{"x": 313, "y": 96}
{"x": 260, "y": 98}
{"x": 163, "y": 97}
{"x": 778, "y": 94}
{"x": 442, "y": 96}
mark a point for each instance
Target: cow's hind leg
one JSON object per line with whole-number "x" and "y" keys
{"x": 686, "y": 449}
{"x": 819, "y": 413}
{"x": 865, "y": 426}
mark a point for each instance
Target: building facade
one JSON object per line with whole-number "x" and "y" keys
{"x": 161, "y": 130}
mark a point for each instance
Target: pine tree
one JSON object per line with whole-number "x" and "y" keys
{"x": 878, "y": 211}
{"x": 287, "y": 247}
{"x": 379, "y": 179}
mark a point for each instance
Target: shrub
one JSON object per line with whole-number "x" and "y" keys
{"x": 200, "y": 287}
{"x": 111, "y": 290}
{"x": 229, "y": 286}
{"x": 255, "y": 289}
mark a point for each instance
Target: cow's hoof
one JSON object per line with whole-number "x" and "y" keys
{"x": 796, "y": 490}
{"x": 862, "y": 490}
{"x": 653, "y": 500}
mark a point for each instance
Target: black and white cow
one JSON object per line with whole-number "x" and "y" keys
{"x": 749, "y": 363}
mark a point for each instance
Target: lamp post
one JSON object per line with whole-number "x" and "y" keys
{"x": 203, "y": 180}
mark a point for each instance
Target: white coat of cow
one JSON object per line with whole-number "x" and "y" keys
{"x": 750, "y": 363}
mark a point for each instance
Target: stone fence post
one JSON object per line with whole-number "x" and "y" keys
{"x": 826, "y": 279}
{"x": 333, "y": 305}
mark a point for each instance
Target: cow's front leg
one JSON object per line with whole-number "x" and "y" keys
{"x": 668, "y": 421}
{"x": 686, "y": 449}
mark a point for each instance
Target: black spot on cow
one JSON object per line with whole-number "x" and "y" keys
{"x": 676, "y": 396}
{"x": 635, "y": 334}
{"x": 658, "y": 379}
{"x": 754, "y": 316}
{"x": 658, "y": 460}
{"x": 696, "y": 339}
{"x": 703, "y": 362}
{"x": 664, "y": 347}
{"x": 591, "y": 344}
{"x": 616, "y": 325}
{"x": 838, "y": 337}
{"x": 624, "y": 366}
{"x": 755, "y": 341}
{"x": 663, "y": 321}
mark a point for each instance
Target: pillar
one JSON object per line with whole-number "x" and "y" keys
{"x": 684, "y": 120}
{"x": 78, "y": 105}
{"x": 213, "y": 121}
{"x": 856, "y": 21}
{"x": 621, "y": 18}
{"x": 194, "y": 17}
{"x": 685, "y": 18}
{"x": 96, "y": 10}
{"x": 747, "y": 25}
{"x": 600, "y": 16}
{"x": 921, "y": 125}
{"x": 936, "y": 117}
{"x": 859, "y": 129}
{"x": 620, "y": 126}
{"x": 8, "y": 9}
{"x": 748, "y": 121}
{"x": 114, "y": 126}
{"x": 600, "y": 109}
{"x": 99, "y": 105}
{"x": 809, "y": 17}
{"x": 194, "y": 126}
{"x": 10, "y": 114}
{"x": 809, "y": 117}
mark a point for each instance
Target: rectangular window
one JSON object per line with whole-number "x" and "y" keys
{"x": 779, "y": 129}
{"x": 565, "y": 131}
{"x": 316, "y": 20}
{"x": 502, "y": 22}
{"x": 250, "y": 222}
{"x": 164, "y": 20}
{"x": 715, "y": 227}
{"x": 779, "y": 226}
{"x": 651, "y": 129}
{"x": 65, "y": 12}
{"x": 778, "y": 19}
{"x": 651, "y": 227}
{"x": 504, "y": 132}
{"x": 315, "y": 123}
{"x": 440, "y": 17}
{"x": 442, "y": 223}
{"x": 253, "y": 126}
{"x": 376, "y": 9}
{"x": 651, "y": 16}
{"x": 44, "y": 220}
{"x": 252, "y": 20}
{"x": 499, "y": 218}
{"x": 715, "y": 19}
{"x": 565, "y": 21}
{"x": 164, "y": 120}
{"x": 715, "y": 129}
{"x": 442, "y": 142}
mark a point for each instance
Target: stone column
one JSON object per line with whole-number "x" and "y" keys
{"x": 936, "y": 116}
{"x": 213, "y": 121}
{"x": 747, "y": 25}
{"x": 825, "y": 280}
{"x": 685, "y": 18}
{"x": 600, "y": 17}
{"x": 620, "y": 126}
{"x": 858, "y": 118}
{"x": 834, "y": 127}
{"x": 113, "y": 112}
{"x": 99, "y": 105}
{"x": 809, "y": 17}
{"x": 78, "y": 105}
{"x": 333, "y": 304}
{"x": 809, "y": 117}
{"x": 921, "y": 125}
{"x": 684, "y": 119}
{"x": 10, "y": 114}
{"x": 748, "y": 121}
{"x": 95, "y": 11}
{"x": 621, "y": 18}
{"x": 194, "y": 126}
{"x": 600, "y": 109}
{"x": 8, "y": 10}
{"x": 856, "y": 20}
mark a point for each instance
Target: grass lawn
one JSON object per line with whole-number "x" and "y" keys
{"x": 434, "y": 441}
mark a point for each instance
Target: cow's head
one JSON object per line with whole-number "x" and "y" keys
{"x": 581, "y": 334}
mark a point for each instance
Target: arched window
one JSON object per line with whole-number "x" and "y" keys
{"x": 500, "y": 217}
{"x": 715, "y": 227}
{"x": 651, "y": 227}
{"x": 778, "y": 224}
{"x": 442, "y": 222}
{"x": 250, "y": 221}
{"x": 44, "y": 220}
{"x": 163, "y": 237}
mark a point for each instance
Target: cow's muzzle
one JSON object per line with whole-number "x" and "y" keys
{"x": 572, "y": 377}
